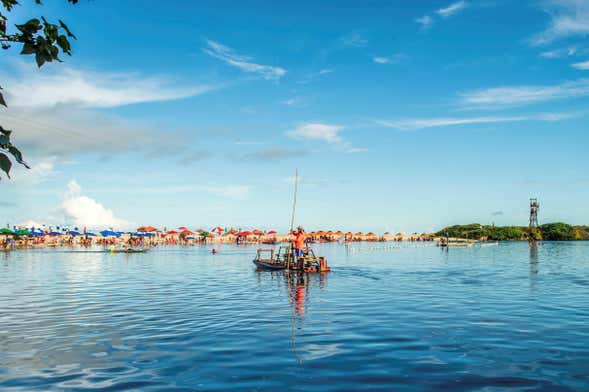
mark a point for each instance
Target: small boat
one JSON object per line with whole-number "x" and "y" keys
{"x": 130, "y": 250}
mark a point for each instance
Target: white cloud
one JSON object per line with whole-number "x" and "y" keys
{"x": 316, "y": 131}
{"x": 82, "y": 210}
{"x": 584, "y": 66}
{"x": 381, "y": 60}
{"x": 425, "y": 21}
{"x": 568, "y": 18}
{"x": 73, "y": 87}
{"x": 526, "y": 94}
{"x": 423, "y": 123}
{"x": 228, "y": 55}
{"x": 452, "y": 9}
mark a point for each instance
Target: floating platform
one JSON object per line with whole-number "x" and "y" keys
{"x": 285, "y": 259}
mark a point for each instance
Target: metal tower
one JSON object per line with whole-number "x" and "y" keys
{"x": 534, "y": 207}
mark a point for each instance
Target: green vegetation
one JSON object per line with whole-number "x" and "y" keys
{"x": 40, "y": 38}
{"x": 548, "y": 232}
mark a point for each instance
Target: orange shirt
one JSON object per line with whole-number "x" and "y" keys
{"x": 299, "y": 240}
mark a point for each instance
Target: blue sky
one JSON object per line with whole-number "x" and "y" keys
{"x": 399, "y": 116}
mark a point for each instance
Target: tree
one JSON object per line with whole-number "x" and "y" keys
{"x": 557, "y": 232}
{"x": 41, "y": 38}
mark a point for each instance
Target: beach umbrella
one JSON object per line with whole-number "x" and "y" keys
{"x": 172, "y": 232}
{"x": 89, "y": 234}
{"x": 182, "y": 228}
{"x": 258, "y": 232}
{"x": 186, "y": 233}
{"x": 147, "y": 229}
{"x": 73, "y": 233}
{"x": 204, "y": 233}
{"x": 271, "y": 232}
{"x": 22, "y": 232}
{"x": 4, "y": 230}
{"x": 109, "y": 233}
{"x": 54, "y": 233}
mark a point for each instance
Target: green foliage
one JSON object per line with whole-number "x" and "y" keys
{"x": 548, "y": 232}
{"x": 40, "y": 38}
{"x": 557, "y": 232}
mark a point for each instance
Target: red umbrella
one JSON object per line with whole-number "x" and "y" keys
{"x": 186, "y": 232}
{"x": 244, "y": 233}
{"x": 182, "y": 228}
{"x": 258, "y": 232}
{"x": 172, "y": 232}
{"x": 271, "y": 232}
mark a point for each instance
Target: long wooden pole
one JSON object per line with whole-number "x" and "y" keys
{"x": 294, "y": 202}
{"x": 292, "y": 218}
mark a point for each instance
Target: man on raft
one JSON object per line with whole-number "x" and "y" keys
{"x": 299, "y": 241}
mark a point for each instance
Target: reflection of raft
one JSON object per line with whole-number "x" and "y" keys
{"x": 285, "y": 259}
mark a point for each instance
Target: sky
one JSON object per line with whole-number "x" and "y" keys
{"x": 399, "y": 116}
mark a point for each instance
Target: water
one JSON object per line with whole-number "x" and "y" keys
{"x": 414, "y": 319}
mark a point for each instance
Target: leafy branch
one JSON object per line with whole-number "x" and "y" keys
{"x": 38, "y": 37}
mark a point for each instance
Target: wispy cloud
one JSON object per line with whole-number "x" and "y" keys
{"x": 354, "y": 39}
{"x": 272, "y": 154}
{"x": 314, "y": 76}
{"x": 506, "y": 96}
{"x": 584, "y": 66}
{"x": 88, "y": 89}
{"x": 317, "y": 131}
{"x": 452, "y": 9}
{"x": 327, "y": 133}
{"x": 559, "y": 53}
{"x": 497, "y": 213}
{"x": 394, "y": 59}
{"x": 423, "y": 123}
{"x": 230, "y": 57}
{"x": 568, "y": 18}
{"x": 425, "y": 21}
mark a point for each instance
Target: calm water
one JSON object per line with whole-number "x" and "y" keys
{"x": 414, "y": 319}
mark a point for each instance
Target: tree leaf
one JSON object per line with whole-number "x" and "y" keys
{"x": 4, "y": 141}
{"x": 5, "y": 131}
{"x": 2, "y": 101}
{"x": 17, "y": 155}
{"x": 28, "y": 48}
{"x": 5, "y": 164}
{"x": 40, "y": 59}
{"x": 67, "y": 29}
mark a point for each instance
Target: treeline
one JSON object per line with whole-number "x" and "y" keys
{"x": 547, "y": 232}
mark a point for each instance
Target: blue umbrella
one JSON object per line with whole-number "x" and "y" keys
{"x": 109, "y": 233}
{"x": 90, "y": 234}
{"x": 74, "y": 233}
